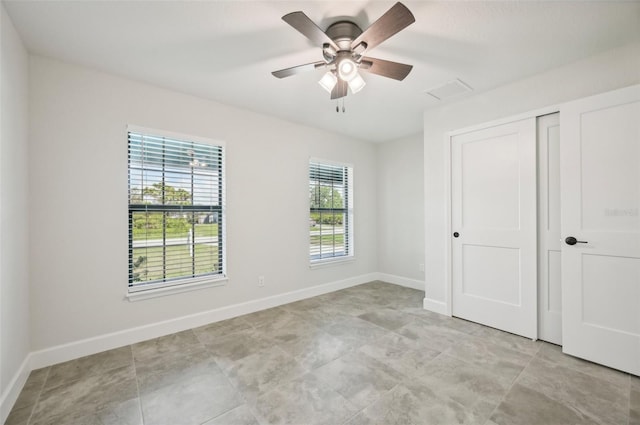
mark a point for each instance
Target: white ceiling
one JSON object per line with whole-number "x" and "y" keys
{"x": 226, "y": 50}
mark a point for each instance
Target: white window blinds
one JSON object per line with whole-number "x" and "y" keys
{"x": 176, "y": 210}
{"x": 330, "y": 211}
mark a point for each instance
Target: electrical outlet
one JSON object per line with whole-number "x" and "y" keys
{"x": 421, "y": 266}
{"x": 260, "y": 280}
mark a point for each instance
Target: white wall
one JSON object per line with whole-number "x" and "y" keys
{"x": 78, "y": 187}
{"x": 14, "y": 285}
{"x": 400, "y": 186}
{"x": 607, "y": 71}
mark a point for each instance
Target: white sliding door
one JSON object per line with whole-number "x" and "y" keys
{"x": 600, "y": 195}
{"x": 493, "y": 189}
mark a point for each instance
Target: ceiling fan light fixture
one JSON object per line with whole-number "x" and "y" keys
{"x": 328, "y": 81}
{"x": 356, "y": 84}
{"x": 347, "y": 69}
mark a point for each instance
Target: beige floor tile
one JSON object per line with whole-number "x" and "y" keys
{"x": 435, "y": 337}
{"x": 175, "y": 343}
{"x": 88, "y": 395}
{"x": 190, "y": 400}
{"x": 305, "y": 400}
{"x": 387, "y": 318}
{"x": 403, "y": 354}
{"x": 554, "y": 354}
{"x": 240, "y": 415}
{"x": 89, "y": 365}
{"x": 503, "y": 362}
{"x": 402, "y": 406}
{"x": 359, "y": 378}
{"x": 595, "y": 398}
{"x": 230, "y": 348}
{"x": 526, "y": 406}
{"x": 210, "y": 333}
{"x": 19, "y": 416}
{"x": 257, "y": 373}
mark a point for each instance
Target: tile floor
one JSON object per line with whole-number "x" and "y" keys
{"x": 365, "y": 355}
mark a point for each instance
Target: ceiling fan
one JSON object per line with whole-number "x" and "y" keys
{"x": 344, "y": 46}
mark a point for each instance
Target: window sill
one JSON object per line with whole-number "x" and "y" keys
{"x": 145, "y": 294}
{"x": 318, "y": 264}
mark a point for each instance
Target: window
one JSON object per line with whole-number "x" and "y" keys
{"x": 176, "y": 210}
{"x": 330, "y": 211}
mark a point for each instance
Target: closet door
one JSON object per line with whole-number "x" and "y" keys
{"x": 549, "y": 246}
{"x": 494, "y": 268}
{"x": 600, "y": 221}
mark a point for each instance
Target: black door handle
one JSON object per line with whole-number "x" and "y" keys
{"x": 456, "y": 234}
{"x": 572, "y": 241}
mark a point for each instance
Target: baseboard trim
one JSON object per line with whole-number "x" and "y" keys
{"x": 402, "y": 281}
{"x": 85, "y": 347}
{"x": 10, "y": 396}
{"x": 435, "y": 306}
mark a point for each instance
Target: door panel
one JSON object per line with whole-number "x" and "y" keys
{"x": 490, "y": 195}
{"x": 610, "y": 193}
{"x": 492, "y": 273}
{"x": 600, "y": 192}
{"x": 549, "y": 287}
{"x": 623, "y": 292}
{"x": 494, "y": 212}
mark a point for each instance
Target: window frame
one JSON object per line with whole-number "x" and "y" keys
{"x": 347, "y": 210}
{"x": 178, "y": 284}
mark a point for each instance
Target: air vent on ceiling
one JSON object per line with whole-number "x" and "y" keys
{"x": 450, "y": 89}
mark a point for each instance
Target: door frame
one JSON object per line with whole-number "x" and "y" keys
{"x": 447, "y": 308}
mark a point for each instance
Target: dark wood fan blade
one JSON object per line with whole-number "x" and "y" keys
{"x": 395, "y": 70}
{"x": 308, "y": 28}
{"x": 393, "y": 21}
{"x": 288, "y": 72}
{"x": 339, "y": 90}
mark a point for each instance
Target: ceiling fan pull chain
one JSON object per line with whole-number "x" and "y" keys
{"x": 343, "y": 105}
{"x": 337, "y": 107}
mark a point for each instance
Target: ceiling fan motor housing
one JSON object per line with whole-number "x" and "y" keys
{"x": 343, "y": 33}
